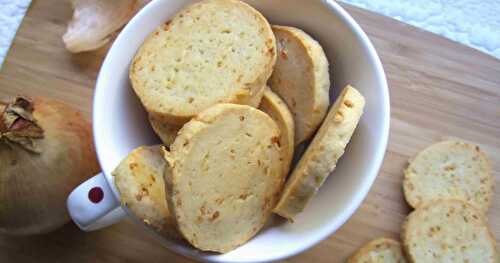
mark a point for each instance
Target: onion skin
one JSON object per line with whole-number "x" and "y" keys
{"x": 34, "y": 186}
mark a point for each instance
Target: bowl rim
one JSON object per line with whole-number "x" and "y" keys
{"x": 367, "y": 182}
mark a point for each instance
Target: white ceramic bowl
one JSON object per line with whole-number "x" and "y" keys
{"x": 120, "y": 123}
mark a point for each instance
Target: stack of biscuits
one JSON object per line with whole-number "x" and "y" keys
{"x": 450, "y": 186}
{"x": 230, "y": 97}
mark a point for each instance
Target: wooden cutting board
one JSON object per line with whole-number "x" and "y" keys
{"x": 438, "y": 89}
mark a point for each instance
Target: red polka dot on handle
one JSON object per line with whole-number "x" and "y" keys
{"x": 96, "y": 195}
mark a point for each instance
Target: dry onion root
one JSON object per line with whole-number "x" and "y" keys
{"x": 94, "y": 21}
{"x": 46, "y": 150}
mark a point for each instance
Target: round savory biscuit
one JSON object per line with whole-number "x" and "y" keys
{"x": 274, "y": 106}
{"x": 301, "y": 78}
{"x": 381, "y": 250}
{"x": 226, "y": 176}
{"x": 448, "y": 231}
{"x": 321, "y": 156}
{"x": 165, "y": 131}
{"x": 449, "y": 169}
{"x": 139, "y": 179}
{"x": 213, "y": 51}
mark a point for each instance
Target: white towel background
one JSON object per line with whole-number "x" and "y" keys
{"x": 11, "y": 14}
{"x": 475, "y": 23}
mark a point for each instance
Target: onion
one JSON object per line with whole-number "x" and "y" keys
{"x": 95, "y": 21}
{"x": 46, "y": 150}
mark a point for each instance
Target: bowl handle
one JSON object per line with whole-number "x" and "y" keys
{"x": 92, "y": 205}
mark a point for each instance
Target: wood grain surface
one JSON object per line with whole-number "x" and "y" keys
{"x": 438, "y": 89}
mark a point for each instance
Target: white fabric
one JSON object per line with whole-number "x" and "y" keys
{"x": 11, "y": 14}
{"x": 475, "y": 23}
